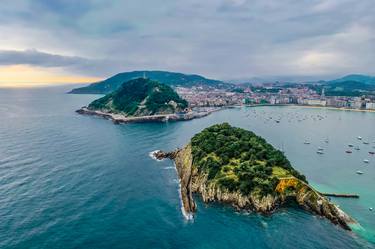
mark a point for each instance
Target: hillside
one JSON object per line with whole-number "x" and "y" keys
{"x": 236, "y": 159}
{"x": 349, "y": 88}
{"x": 369, "y": 80}
{"x": 232, "y": 165}
{"x": 140, "y": 97}
{"x": 168, "y": 78}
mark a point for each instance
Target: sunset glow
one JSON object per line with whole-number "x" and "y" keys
{"x": 27, "y": 76}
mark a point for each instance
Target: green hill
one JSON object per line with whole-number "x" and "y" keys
{"x": 234, "y": 166}
{"x": 237, "y": 159}
{"x": 168, "y": 78}
{"x": 348, "y": 88}
{"x": 369, "y": 80}
{"x": 140, "y": 97}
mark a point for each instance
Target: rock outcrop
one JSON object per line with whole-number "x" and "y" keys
{"x": 122, "y": 119}
{"x": 289, "y": 189}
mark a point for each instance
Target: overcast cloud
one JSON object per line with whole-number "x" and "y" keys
{"x": 225, "y": 39}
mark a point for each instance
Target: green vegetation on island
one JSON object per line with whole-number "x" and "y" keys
{"x": 141, "y": 97}
{"x": 169, "y": 78}
{"x": 237, "y": 159}
{"x": 232, "y": 165}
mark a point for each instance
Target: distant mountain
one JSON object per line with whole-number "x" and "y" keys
{"x": 168, "y": 78}
{"x": 348, "y": 88}
{"x": 370, "y": 80}
{"x": 140, "y": 97}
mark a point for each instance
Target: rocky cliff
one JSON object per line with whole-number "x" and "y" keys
{"x": 288, "y": 189}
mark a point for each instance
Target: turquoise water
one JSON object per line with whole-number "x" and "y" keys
{"x": 72, "y": 181}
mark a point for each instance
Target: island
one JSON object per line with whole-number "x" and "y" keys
{"x": 235, "y": 166}
{"x": 142, "y": 100}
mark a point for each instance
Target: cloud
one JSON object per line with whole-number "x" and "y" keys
{"x": 217, "y": 38}
{"x": 36, "y": 58}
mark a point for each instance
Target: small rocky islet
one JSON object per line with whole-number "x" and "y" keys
{"x": 235, "y": 166}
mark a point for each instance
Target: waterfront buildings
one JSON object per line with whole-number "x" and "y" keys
{"x": 276, "y": 95}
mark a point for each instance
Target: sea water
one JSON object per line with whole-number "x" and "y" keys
{"x": 73, "y": 181}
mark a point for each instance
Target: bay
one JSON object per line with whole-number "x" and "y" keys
{"x": 72, "y": 181}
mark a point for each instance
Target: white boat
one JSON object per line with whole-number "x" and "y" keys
{"x": 306, "y": 142}
{"x": 366, "y": 161}
{"x": 359, "y": 172}
{"x": 320, "y": 152}
{"x": 370, "y": 208}
{"x": 359, "y": 138}
{"x": 320, "y": 149}
{"x": 365, "y": 142}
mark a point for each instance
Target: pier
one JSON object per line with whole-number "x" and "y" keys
{"x": 341, "y": 195}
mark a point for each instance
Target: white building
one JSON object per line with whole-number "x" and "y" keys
{"x": 370, "y": 105}
{"x": 316, "y": 102}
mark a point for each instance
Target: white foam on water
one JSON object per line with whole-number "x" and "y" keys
{"x": 152, "y": 155}
{"x": 168, "y": 168}
{"x": 187, "y": 216}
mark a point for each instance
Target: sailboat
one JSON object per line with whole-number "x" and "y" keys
{"x": 359, "y": 172}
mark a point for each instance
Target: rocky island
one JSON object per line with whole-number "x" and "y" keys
{"x": 232, "y": 165}
{"x": 141, "y": 100}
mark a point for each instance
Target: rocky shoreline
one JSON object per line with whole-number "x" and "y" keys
{"x": 121, "y": 119}
{"x": 289, "y": 189}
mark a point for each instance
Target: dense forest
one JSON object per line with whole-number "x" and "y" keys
{"x": 237, "y": 159}
{"x": 141, "y": 97}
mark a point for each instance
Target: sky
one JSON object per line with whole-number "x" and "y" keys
{"x": 63, "y": 41}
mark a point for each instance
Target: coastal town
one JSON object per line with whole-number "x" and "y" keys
{"x": 272, "y": 95}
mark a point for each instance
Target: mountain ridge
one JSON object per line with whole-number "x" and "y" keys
{"x": 366, "y": 79}
{"x": 169, "y": 78}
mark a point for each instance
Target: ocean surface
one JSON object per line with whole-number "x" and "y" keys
{"x": 72, "y": 181}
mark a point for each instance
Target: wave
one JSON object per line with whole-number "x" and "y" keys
{"x": 152, "y": 155}
{"x": 168, "y": 167}
{"x": 187, "y": 216}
